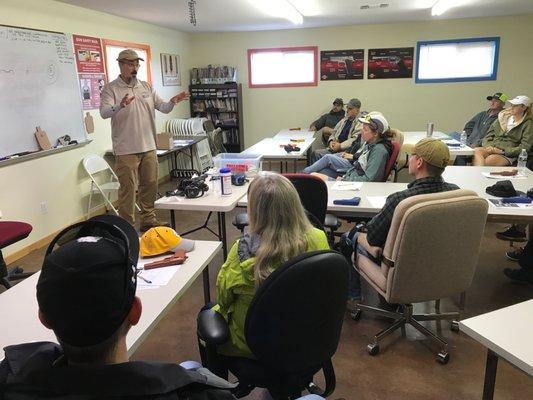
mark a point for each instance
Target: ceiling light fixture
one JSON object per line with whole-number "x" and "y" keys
{"x": 441, "y": 6}
{"x": 280, "y": 9}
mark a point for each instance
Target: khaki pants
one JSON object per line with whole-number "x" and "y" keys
{"x": 137, "y": 170}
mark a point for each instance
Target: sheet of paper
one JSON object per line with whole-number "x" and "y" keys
{"x": 377, "y": 201}
{"x": 145, "y": 286}
{"x": 498, "y": 203}
{"x": 517, "y": 176}
{"x": 180, "y": 142}
{"x": 157, "y": 276}
{"x": 341, "y": 185}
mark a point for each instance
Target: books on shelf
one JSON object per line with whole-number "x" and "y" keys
{"x": 213, "y": 74}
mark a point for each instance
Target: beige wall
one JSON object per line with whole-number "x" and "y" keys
{"x": 407, "y": 105}
{"x": 58, "y": 179}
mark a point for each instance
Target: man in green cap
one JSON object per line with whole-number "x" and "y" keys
{"x": 427, "y": 162}
{"x": 478, "y": 126}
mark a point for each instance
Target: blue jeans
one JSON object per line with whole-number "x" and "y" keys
{"x": 354, "y": 285}
{"x": 332, "y": 165}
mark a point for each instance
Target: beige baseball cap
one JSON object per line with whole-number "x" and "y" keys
{"x": 129, "y": 55}
{"x": 433, "y": 151}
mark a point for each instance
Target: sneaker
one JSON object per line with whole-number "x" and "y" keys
{"x": 514, "y": 255}
{"x": 153, "y": 224}
{"x": 519, "y": 275}
{"x": 512, "y": 233}
{"x": 351, "y": 304}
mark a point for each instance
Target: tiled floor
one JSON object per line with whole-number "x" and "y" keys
{"x": 405, "y": 368}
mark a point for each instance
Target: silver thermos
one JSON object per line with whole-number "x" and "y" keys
{"x": 431, "y": 126}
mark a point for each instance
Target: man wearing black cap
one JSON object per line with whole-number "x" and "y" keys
{"x": 325, "y": 124}
{"x": 131, "y": 105}
{"x": 476, "y": 129}
{"x": 86, "y": 295}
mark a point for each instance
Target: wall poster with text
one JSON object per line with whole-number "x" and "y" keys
{"x": 91, "y": 71}
{"x": 390, "y": 63}
{"x": 341, "y": 64}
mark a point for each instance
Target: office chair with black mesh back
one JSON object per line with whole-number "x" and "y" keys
{"x": 313, "y": 194}
{"x": 11, "y": 232}
{"x": 292, "y": 327}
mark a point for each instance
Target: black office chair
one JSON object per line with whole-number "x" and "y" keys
{"x": 313, "y": 194}
{"x": 292, "y": 327}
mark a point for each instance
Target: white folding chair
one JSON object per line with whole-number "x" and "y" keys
{"x": 104, "y": 181}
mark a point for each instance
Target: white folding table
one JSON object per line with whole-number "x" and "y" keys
{"x": 18, "y": 305}
{"x": 506, "y": 333}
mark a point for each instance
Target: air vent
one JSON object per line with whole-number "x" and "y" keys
{"x": 371, "y": 6}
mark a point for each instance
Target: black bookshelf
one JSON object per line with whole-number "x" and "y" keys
{"x": 222, "y": 104}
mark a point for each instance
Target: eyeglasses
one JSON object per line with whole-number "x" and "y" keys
{"x": 131, "y": 64}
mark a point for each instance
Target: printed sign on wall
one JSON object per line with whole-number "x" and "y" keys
{"x": 390, "y": 63}
{"x": 341, "y": 64}
{"x": 91, "y": 72}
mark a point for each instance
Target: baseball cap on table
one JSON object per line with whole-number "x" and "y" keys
{"x": 161, "y": 239}
{"x": 129, "y": 55}
{"x": 354, "y": 103}
{"x": 499, "y": 96}
{"x": 87, "y": 284}
{"x": 433, "y": 151}
{"x": 338, "y": 102}
{"x": 376, "y": 121}
{"x": 524, "y": 100}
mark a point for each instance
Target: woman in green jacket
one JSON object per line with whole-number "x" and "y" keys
{"x": 507, "y": 136}
{"x": 279, "y": 230}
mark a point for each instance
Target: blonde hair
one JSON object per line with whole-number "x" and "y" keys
{"x": 278, "y": 217}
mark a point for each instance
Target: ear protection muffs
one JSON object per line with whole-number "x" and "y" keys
{"x": 190, "y": 188}
{"x": 238, "y": 179}
{"x": 108, "y": 232}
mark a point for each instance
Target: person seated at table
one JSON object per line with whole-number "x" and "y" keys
{"x": 324, "y": 124}
{"x": 86, "y": 295}
{"x": 427, "y": 162}
{"x": 508, "y": 135}
{"x": 524, "y": 257}
{"x": 477, "y": 127}
{"x": 344, "y": 133}
{"x": 369, "y": 161}
{"x": 279, "y": 230}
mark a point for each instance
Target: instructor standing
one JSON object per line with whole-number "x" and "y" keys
{"x": 131, "y": 105}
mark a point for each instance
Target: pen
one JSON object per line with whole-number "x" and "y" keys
{"x": 143, "y": 278}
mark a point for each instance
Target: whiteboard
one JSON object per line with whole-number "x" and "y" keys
{"x": 38, "y": 87}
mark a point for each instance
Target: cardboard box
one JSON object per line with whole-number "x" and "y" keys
{"x": 164, "y": 141}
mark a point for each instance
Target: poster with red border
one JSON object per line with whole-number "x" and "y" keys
{"x": 91, "y": 70}
{"x": 341, "y": 64}
{"x": 390, "y": 63}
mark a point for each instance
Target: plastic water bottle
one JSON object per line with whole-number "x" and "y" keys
{"x": 225, "y": 181}
{"x": 522, "y": 161}
{"x": 463, "y": 139}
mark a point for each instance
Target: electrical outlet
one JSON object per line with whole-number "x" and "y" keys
{"x": 44, "y": 207}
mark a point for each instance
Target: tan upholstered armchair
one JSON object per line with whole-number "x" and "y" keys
{"x": 431, "y": 253}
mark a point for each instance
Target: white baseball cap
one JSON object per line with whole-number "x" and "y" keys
{"x": 524, "y": 100}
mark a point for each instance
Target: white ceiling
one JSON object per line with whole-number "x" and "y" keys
{"x": 243, "y": 15}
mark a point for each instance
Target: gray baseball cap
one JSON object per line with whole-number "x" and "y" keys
{"x": 354, "y": 103}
